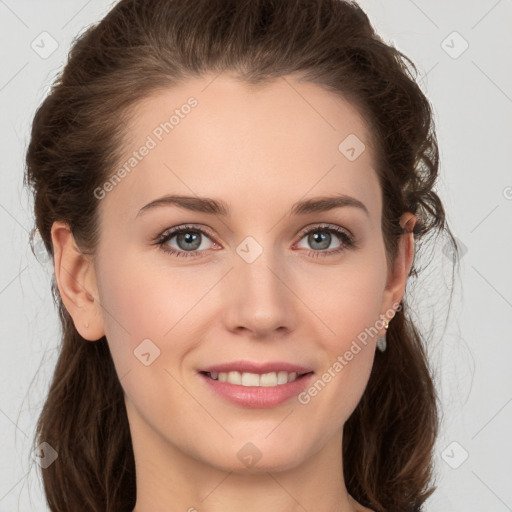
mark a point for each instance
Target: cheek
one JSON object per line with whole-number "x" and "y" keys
{"x": 128, "y": 298}
{"x": 129, "y": 307}
{"x": 147, "y": 301}
{"x": 142, "y": 303}
{"x": 349, "y": 306}
{"x": 348, "y": 298}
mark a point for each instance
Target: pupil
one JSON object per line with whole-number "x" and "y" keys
{"x": 322, "y": 238}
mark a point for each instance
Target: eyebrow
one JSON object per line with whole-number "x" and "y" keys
{"x": 216, "y": 207}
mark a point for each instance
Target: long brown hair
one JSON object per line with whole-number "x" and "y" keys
{"x": 78, "y": 132}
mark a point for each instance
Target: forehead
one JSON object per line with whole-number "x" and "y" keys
{"x": 253, "y": 146}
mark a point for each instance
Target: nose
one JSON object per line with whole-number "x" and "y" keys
{"x": 258, "y": 297}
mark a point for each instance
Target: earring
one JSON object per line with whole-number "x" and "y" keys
{"x": 381, "y": 342}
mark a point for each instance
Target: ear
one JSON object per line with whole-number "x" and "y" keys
{"x": 76, "y": 281}
{"x": 397, "y": 278}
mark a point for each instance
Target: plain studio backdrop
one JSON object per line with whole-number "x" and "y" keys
{"x": 463, "y": 53}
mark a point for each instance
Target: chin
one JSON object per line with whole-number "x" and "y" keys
{"x": 248, "y": 458}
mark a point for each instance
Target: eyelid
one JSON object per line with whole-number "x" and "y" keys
{"x": 185, "y": 227}
{"x": 326, "y": 226}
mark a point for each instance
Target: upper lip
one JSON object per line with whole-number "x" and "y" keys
{"x": 254, "y": 367}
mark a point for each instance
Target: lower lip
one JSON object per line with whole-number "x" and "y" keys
{"x": 258, "y": 396}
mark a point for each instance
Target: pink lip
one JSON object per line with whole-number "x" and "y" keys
{"x": 256, "y": 396}
{"x": 259, "y": 368}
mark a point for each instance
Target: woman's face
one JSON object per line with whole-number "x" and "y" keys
{"x": 255, "y": 279}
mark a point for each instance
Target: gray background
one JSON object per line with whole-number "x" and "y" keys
{"x": 471, "y": 350}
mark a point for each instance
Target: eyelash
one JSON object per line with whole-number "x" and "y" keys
{"x": 347, "y": 240}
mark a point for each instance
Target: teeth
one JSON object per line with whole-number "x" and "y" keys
{"x": 254, "y": 379}
{"x": 282, "y": 377}
{"x": 234, "y": 378}
{"x": 249, "y": 379}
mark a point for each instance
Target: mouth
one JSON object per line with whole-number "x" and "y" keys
{"x": 248, "y": 379}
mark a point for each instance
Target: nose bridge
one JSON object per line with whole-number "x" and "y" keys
{"x": 255, "y": 270}
{"x": 258, "y": 299}
{"x": 258, "y": 276}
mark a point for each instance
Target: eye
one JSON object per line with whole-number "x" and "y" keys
{"x": 320, "y": 238}
{"x": 190, "y": 241}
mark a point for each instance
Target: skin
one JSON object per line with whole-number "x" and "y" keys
{"x": 259, "y": 149}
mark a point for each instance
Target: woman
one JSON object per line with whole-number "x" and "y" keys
{"x": 232, "y": 192}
